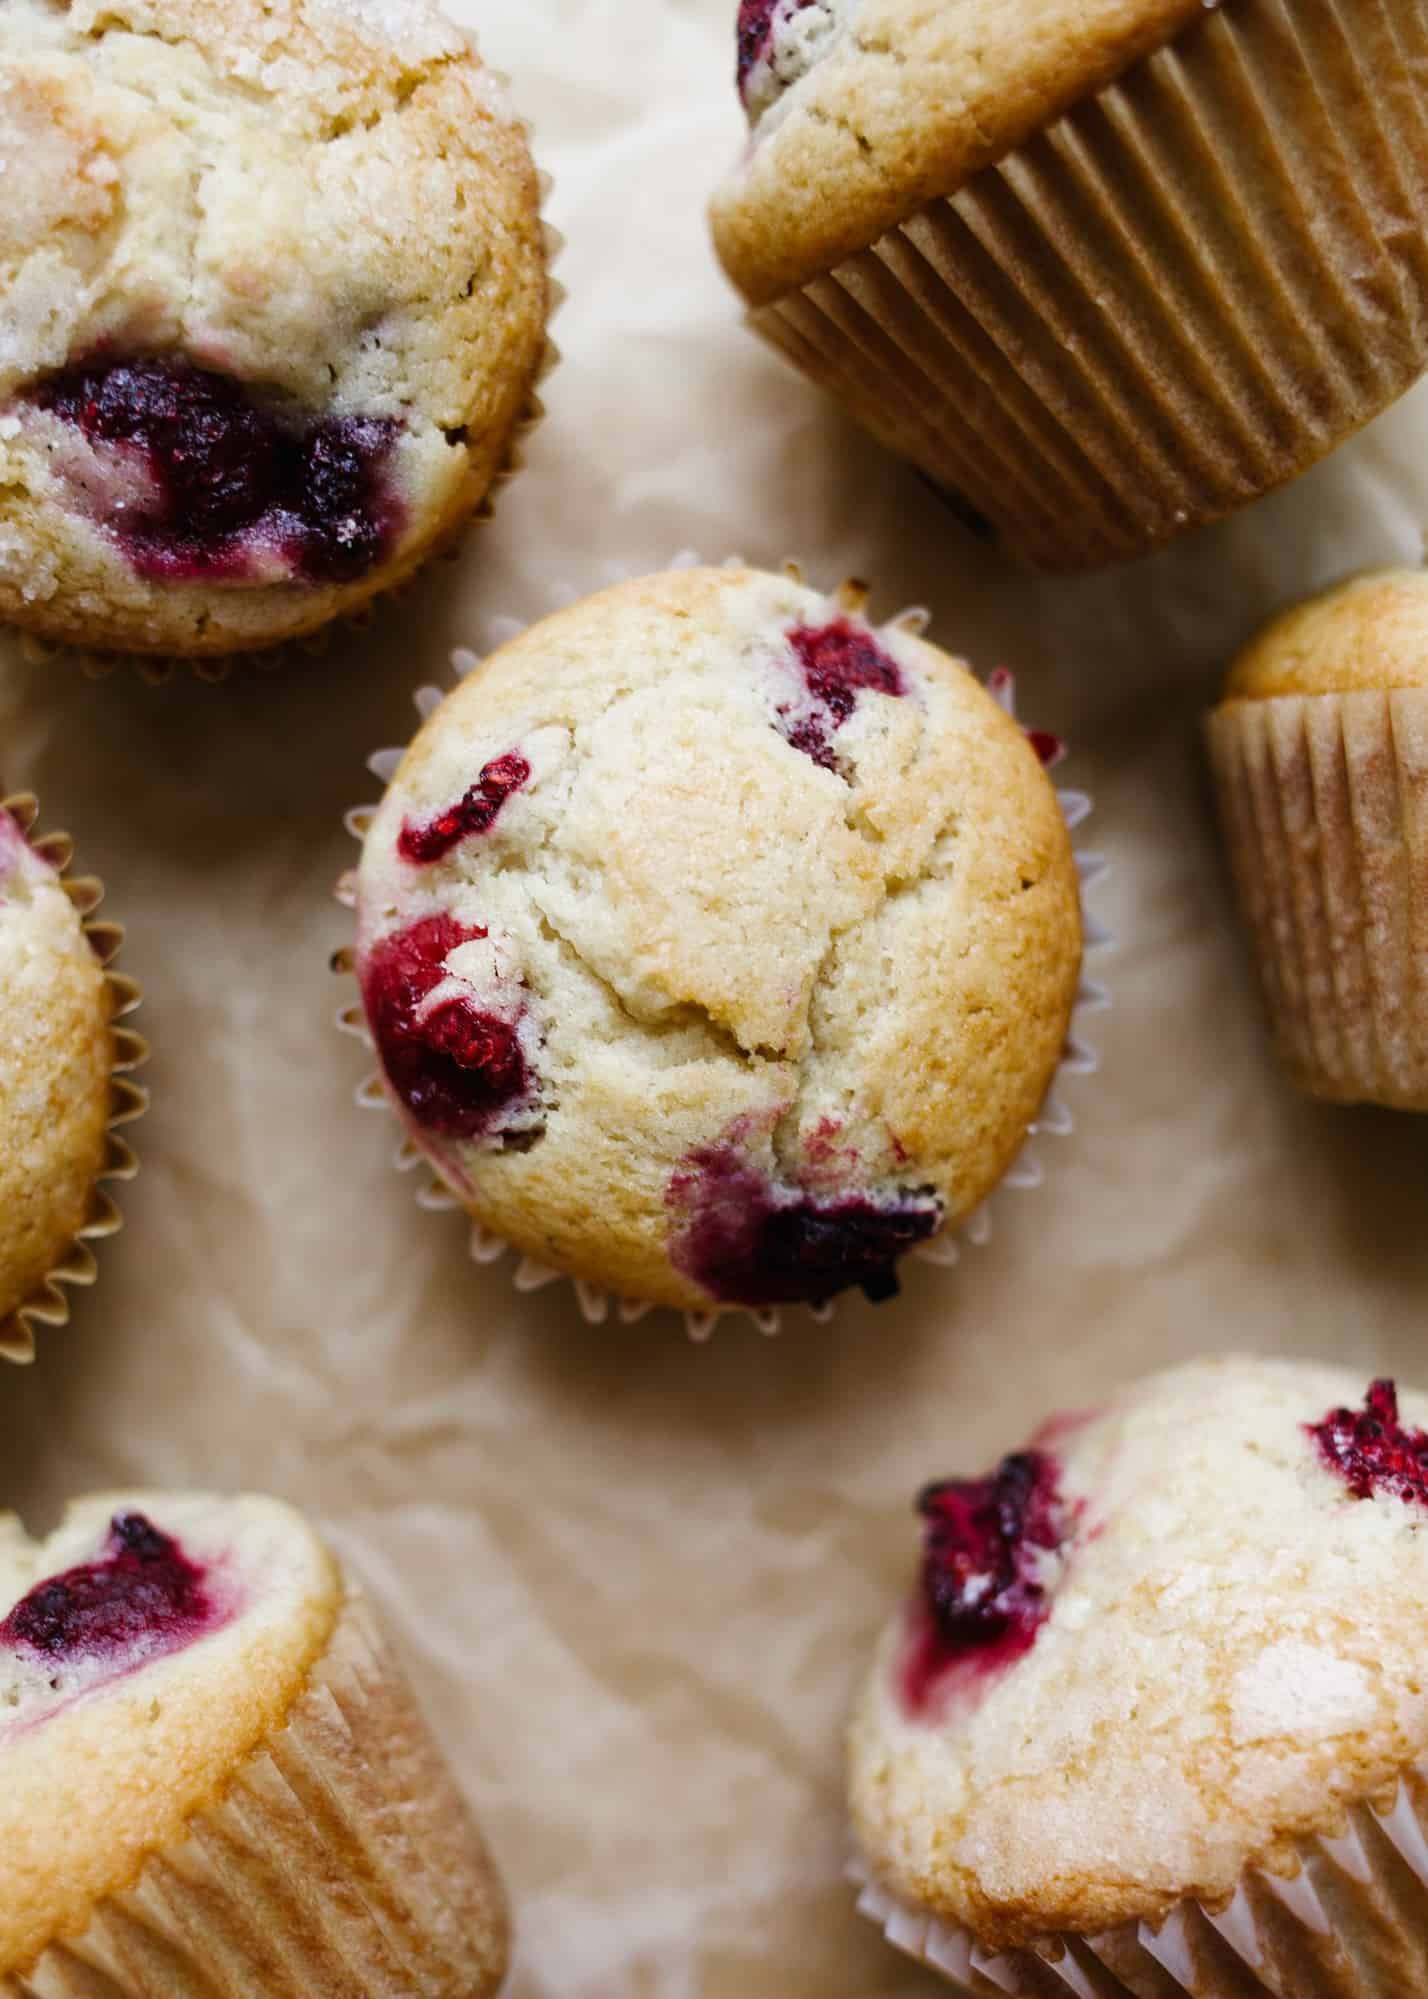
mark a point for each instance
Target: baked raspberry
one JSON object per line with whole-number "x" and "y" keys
{"x": 749, "y": 1241}
{"x": 1372, "y": 1451}
{"x": 988, "y": 1566}
{"x": 756, "y": 29}
{"x": 838, "y": 661}
{"x": 475, "y": 812}
{"x": 230, "y": 478}
{"x": 142, "y": 1592}
{"x": 456, "y": 1066}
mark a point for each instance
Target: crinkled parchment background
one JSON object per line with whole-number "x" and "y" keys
{"x": 637, "y": 1579}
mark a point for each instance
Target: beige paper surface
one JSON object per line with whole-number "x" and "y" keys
{"x": 636, "y": 1580}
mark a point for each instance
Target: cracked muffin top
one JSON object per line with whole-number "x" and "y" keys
{"x": 272, "y": 303}
{"x": 862, "y": 111}
{"x": 1160, "y": 1643}
{"x": 718, "y": 946}
{"x": 56, "y": 1058}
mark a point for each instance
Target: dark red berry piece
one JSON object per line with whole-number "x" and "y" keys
{"x": 143, "y": 1592}
{"x": 838, "y": 661}
{"x": 457, "y": 1068}
{"x": 1372, "y": 1451}
{"x": 987, "y": 1547}
{"x": 748, "y": 1241}
{"x": 232, "y": 475}
{"x": 474, "y": 813}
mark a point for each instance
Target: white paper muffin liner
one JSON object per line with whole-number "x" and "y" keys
{"x": 157, "y": 669}
{"x": 75, "y": 1266}
{"x": 596, "y": 1303}
{"x": 1351, "y": 1922}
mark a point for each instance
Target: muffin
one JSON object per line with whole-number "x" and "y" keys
{"x": 1107, "y": 269}
{"x": 1154, "y": 1720}
{"x": 215, "y": 1778}
{"x": 272, "y": 305}
{"x": 1320, "y": 754}
{"x": 60, "y": 1095}
{"x": 718, "y": 947}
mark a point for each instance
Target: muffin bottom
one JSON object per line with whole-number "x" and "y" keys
{"x": 1173, "y": 300}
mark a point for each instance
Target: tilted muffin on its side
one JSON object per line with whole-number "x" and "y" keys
{"x": 717, "y": 946}
{"x": 1320, "y": 754}
{"x": 1155, "y": 1719}
{"x": 272, "y": 306}
{"x": 213, "y": 1777}
{"x": 1106, "y": 268}
{"x": 59, "y": 1051}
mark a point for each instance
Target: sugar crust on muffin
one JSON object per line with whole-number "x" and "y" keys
{"x": 1231, "y": 1650}
{"x": 761, "y": 927}
{"x": 145, "y": 1647}
{"x": 895, "y": 103}
{"x": 274, "y": 294}
{"x": 56, "y": 1057}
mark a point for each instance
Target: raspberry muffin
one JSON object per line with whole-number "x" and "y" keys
{"x": 272, "y": 305}
{"x": 717, "y": 946}
{"x": 59, "y": 1094}
{"x": 1320, "y": 754}
{"x": 1106, "y": 269}
{"x": 214, "y": 1776}
{"x": 1154, "y": 1719}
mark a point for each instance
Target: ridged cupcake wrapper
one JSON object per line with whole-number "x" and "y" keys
{"x": 158, "y": 669}
{"x": 1350, "y": 1922}
{"x": 340, "y": 1859}
{"x": 48, "y": 1306}
{"x": 1174, "y": 299}
{"x": 596, "y": 1304}
{"x": 1324, "y": 806}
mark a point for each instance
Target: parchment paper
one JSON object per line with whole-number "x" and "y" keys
{"x": 637, "y": 1580}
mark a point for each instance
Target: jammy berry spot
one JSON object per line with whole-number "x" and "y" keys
{"x": 456, "y": 1065}
{"x": 142, "y": 1595}
{"x": 989, "y": 1563}
{"x": 758, "y": 23}
{"x": 749, "y": 1241}
{"x": 474, "y": 812}
{"x": 227, "y": 480}
{"x": 1372, "y": 1451}
{"x": 837, "y": 661}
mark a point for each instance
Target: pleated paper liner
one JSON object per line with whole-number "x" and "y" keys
{"x": 157, "y": 670}
{"x": 340, "y": 1859}
{"x": 49, "y": 1306}
{"x": 1172, "y": 300}
{"x": 1324, "y": 808}
{"x": 1351, "y": 1922}
{"x": 595, "y": 1302}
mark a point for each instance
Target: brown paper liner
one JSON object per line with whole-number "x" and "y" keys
{"x": 1351, "y": 1922}
{"x": 75, "y": 1265}
{"x": 1324, "y": 805}
{"x": 596, "y": 1304}
{"x": 1174, "y": 299}
{"x": 340, "y": 1862}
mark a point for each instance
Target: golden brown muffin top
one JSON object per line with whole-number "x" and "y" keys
{"x": 706, "y": 928}
{"x": 864, "y": 110}
{"x": 1369, "y": 634}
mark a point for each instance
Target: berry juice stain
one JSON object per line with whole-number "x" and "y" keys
{"x": 838, "y": 661}
{"x": 143, "y": 1595}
